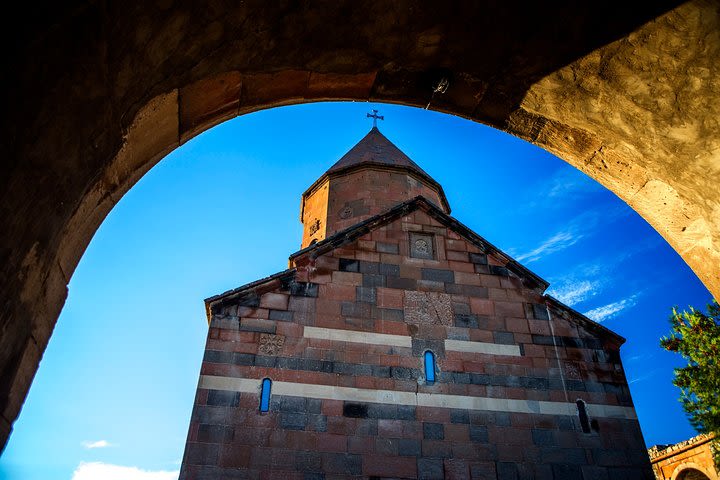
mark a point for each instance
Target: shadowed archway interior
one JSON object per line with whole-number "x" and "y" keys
{"x": 101, "y": 91}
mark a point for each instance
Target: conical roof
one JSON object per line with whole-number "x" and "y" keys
{"x": 376, "y": 149}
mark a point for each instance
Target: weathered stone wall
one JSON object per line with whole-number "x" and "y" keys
{"x": 343, "y": 340}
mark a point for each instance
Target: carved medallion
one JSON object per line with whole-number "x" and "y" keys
{"x": 421, "y": 246}
{"x": 573, "y": 370}
{"x": 346, "y": 212}
{"x": 270, "y": 344}
{"x": 314, "y": 227}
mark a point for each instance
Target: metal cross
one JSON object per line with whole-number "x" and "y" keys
{"x": 375, "y": 117}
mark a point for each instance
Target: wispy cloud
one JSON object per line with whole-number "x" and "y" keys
{"x": 642, "y": 378}
{"x": 97, "y": 444}
{"x": 574, "y": 292}
{"x": 559, "y": 241}
{"x": 565, "y": 182}
{"x": 606, "y": 312}
{"x": 107, "y": 471}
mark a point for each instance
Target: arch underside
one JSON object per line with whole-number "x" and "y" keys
{"x": 102, "y": 91}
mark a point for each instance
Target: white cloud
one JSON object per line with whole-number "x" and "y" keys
{"x": 106, "y": 471}
{"x": 96, "y": 444}
{"x": 606, "y": 312}
{"x": 559, "y": 241}
{"x": 572, "y": 293}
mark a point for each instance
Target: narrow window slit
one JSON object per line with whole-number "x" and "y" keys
{"x": 583, "y": 416}
{"x": 429, "y": 367}
{"x": 265, "y": 395}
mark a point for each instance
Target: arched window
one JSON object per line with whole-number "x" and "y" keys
{"x": 429, "y": 367}
{"x": 583, "y": 416}
{"x": 265, "y": 395}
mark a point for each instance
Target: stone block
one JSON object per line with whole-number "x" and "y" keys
{"x": 433, "y": 431}
{"x": 389, "y": 269}
{"x": 430, "y": 468}
{"x": 479, "y": 433}
{"x": 366, "y": 294}
{"x": 223, "y": 398}
{"x": 459, "y": 416}
{"x": 540, "y": 312}
{"x": 504, "y": 338}
{"x": 306, "y": 461}
{"x": 401, "y": 283}
{"x": 304, "y": 289}
{"x": 215, "y": 433}
{"x": 543, "y": 437}
{"x": 408, "y": 447}
{"x": 438, "y": 275}
{"x": 466, "y": 321}
{"x": 387, "y": 247}
{"x": 281, "y": 315}
{"x": 567, "y": 472}
{"x": 343, "y": 463}
{"x": 507, "y": 471}
{"x": 257, "y": 325}
{"x": 293, "y": 421}
{"x": 373, "y": 280}
{"x": 478, "y": 258}
{"x": 349, "y": 265}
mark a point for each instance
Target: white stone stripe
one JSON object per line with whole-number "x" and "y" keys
{"x": 358, "y": 337}
{"x": 329, "y": 392}
{"x": 481, "y": 347}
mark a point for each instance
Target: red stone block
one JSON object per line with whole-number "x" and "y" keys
{"x": 234, "y": 456}
{"x": 339, "y": 293}
{"x": 457, "y": 433}
{"x": 276, "y": 301}
{"x": 330, "y": 442}
{"x": 332, "y": 408}
{"x": 361, "y": 445}
{"x": 457, "y": 245}
{"x": 387, "y": 466}
{"x": 389, "y": 297}
{"x": 461, "y": 267}
{"x": 432, "y": 414}
{"x": 457, "y": 256}
{"x": 509, "y": 309}
{"x": 390, "y": 428}
{"x": 482, "y": 306}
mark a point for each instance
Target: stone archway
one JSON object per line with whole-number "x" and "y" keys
{"x": 102, "y": 90}
{"x": 690, "y": 471}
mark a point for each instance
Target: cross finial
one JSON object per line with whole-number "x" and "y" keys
{"x": 375, "y": 117}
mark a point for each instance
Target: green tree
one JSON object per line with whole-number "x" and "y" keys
{"x": 696, "y": 336}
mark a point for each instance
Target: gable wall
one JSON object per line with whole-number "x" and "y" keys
{"x": 348, "y": 403}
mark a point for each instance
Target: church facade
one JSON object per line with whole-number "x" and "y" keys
{"x": 401, "y": 344}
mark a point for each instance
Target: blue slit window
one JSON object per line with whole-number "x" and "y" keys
{"x": 429, "y": 367}
{"x": 265, "y": 395}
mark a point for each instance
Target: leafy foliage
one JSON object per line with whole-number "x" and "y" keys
{"x": 696, "y": 336}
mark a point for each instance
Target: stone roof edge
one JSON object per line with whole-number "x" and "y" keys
{"x": 244, "y": 289}
{"x": 587, "y": 322}
{"x": 659, "y": 452}
{"x": 411, "y": 171}
{"x": 355, "y": 231}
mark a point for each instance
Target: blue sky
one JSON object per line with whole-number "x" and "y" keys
{"x": 114, "y": 391}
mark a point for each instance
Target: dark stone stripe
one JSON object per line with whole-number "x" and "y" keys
{"x": 572, "y": 342}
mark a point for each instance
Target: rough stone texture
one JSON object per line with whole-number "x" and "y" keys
{"x": 626, "y": 92}
{"x": 688, "y": 460}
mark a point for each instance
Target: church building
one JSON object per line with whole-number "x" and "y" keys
{"x": 401, "y": 344}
